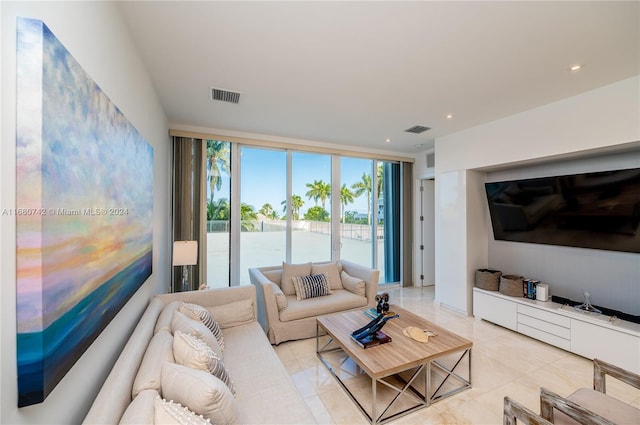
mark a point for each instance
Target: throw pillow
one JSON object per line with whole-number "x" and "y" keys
{"x": 315, "y": 285}
{"x": 291, "y": 270}
{"x": 170, "y": 413}
{"x": 233, "y": 314}
{"x": 353, "y": 284}
{"x": 159, "y": 350}
{"x": 333, "y": 273}
{"x": 193, "y": 352}
{"x": 140, "y": 410}
{"x": 198, "y": 312}
{"x": 204, "y": 393}
{"x": 182, "y": 323}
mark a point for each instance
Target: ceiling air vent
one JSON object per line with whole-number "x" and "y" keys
{"x": 417, "y": 129}
{"x": 225, "y": 95}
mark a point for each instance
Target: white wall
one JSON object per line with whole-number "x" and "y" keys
{"x": 96, "y": 36}
{"x": 598, "y": 120}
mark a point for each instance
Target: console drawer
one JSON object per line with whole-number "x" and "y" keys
{"x": 540, "y": 314}
{"x": 559, "y": 342}
{"x": 543, "y": 326}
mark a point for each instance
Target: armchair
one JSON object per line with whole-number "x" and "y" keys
{"x": 585, "y": 406}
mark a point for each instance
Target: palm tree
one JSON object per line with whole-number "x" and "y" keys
{"x": 268, "y": 211}
{"x": 319, "y": 190}
{"x": 218, "y": 210}
{"x": 346, "y": 197}
{"x": 296, "y": 204}
{"x": 248, "y": 217}
{"x": 218, "y": 162}
{"x": 364, "y": 187}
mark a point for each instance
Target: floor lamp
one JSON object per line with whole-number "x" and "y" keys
{"x": 185, "y": 253}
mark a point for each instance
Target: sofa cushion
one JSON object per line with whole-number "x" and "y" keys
{"x": 340, "y": 300}
{"x": 182, "y": 323}
{"x": 202, "y": 392}
{"x": 311, "y": 286}
{"x": 289, "y": 271}
{"x": 166, "y": 316}
{"x": 159, "y": 350}
{"x": 606, "y": 406}
{"x": 353, "y": 284}
{"x": 265, "y": 391}
{"x": 332, "y": 270}
{"x": 193, "y": 352}
{"x": 140, "y": 410}
{"x": 196, "y": 312}
{"x": 170, "y": 413}
{"x": 233, "y": 314}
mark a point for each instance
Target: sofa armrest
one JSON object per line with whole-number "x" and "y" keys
{"x": 267, "y": 304}
{"x": 369, "y": 275}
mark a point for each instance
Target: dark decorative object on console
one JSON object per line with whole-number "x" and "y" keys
{"x": 606, "y": 311}
{"x": 591, "y": 210}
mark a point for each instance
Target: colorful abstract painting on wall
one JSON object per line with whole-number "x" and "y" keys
{"x": 84, "y": 206}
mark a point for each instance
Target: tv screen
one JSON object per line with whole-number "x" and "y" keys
{"x": 591, "y": 210}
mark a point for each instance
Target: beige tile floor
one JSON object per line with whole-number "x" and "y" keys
{"x": 503, "y": 363}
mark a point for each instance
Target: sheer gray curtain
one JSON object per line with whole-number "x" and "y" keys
{"x": 189, "y": 206}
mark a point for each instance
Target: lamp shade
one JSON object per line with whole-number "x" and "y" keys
{"x": 185, "y": 253}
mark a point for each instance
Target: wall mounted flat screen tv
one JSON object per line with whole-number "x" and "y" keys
{"x": 591, "y": 210}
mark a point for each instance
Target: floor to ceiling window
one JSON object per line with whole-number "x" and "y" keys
{"x": 218, "y": 175}
{"x": 357, "y": 237}
{"x": 268, "y": 205}
{"x": 310, "y": 207}
{"x": 263, "y": 189}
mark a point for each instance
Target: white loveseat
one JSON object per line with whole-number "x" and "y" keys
{"x": 265, "y": 393}
{"x": 285, "y": 318}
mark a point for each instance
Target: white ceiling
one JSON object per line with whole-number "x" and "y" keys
{"x": 357, "y": 73}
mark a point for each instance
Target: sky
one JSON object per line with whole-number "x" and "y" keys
{"x": 263, "y": 177}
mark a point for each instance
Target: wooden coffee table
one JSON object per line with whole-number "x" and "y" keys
{"x": 421, "y": 373}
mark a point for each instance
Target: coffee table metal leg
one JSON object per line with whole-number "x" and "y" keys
{"x": 374, "y": 418}
{"x": 450, "y": 373}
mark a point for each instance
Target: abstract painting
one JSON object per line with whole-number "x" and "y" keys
{"x": 84, "y": 210}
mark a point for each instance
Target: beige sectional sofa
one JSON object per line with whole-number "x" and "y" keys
{"x": 146, "y": 369}
{"x": 284, "y": 317}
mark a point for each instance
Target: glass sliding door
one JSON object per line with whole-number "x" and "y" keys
{"x": 357, "y": 212}
{"x": 263, "y": 187}
{"x": 218, "y": 175}
{"x": 310, "y": 207}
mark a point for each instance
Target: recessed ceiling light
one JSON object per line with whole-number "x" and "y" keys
{"x": 388, "y": 140}
{"x": 576, "y": 67}
{"x": 449, "y": 116}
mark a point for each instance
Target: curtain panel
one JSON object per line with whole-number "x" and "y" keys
{"x": 189, "y": 206}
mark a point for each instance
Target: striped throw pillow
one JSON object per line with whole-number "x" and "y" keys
{"x": 197, "y": 312}
{"x": 310, "y": 286}
{"x": 191, "y": 351}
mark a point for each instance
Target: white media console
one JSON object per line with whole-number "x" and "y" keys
{"x": 589, "y": 335}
